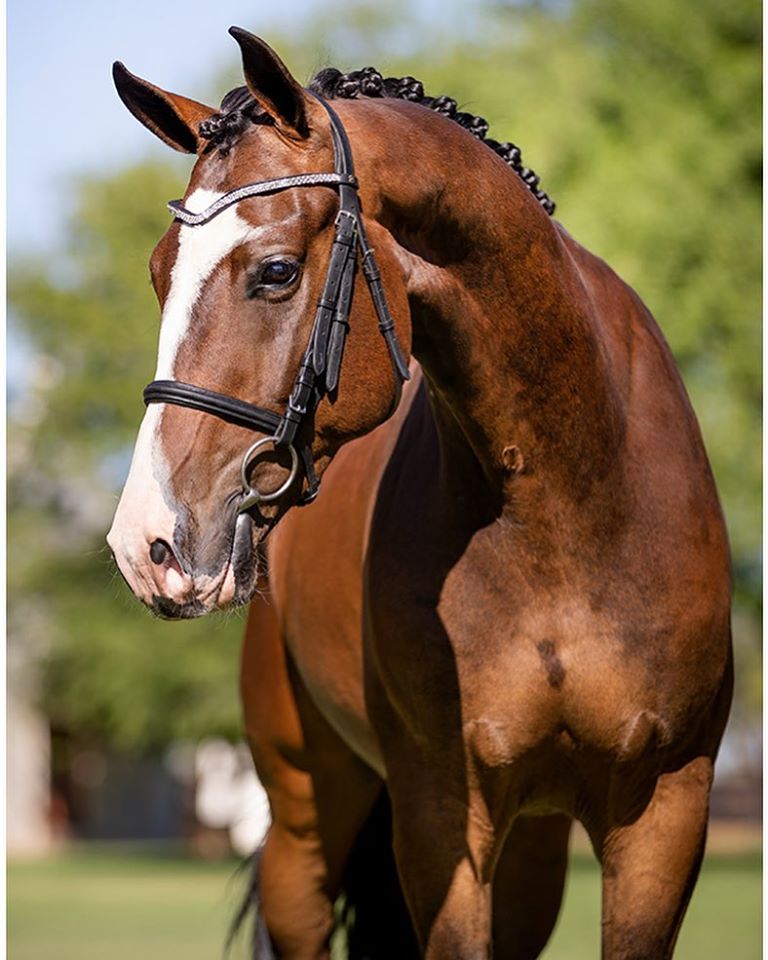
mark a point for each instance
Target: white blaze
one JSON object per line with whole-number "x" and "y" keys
{"x": 201, "y": 249}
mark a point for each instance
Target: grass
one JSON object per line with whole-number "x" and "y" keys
{"x": 92, "y": 904}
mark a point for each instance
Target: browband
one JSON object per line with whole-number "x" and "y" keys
{"x": 180, "y": 212}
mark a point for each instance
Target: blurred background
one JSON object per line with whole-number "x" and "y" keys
{"x": 130, "y": 794}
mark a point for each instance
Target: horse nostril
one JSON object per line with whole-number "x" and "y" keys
{"x": 159, "y": 552}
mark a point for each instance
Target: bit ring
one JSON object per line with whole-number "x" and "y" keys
{"x": 253, "y": 496}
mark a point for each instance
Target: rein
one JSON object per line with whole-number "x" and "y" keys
{"x": 319, "y": 370}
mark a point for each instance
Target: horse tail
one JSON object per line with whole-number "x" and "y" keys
{"x": 373, "y": 917}
{"x": 261, "y": 948}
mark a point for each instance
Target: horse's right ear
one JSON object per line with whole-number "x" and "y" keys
{"x": 175, "y": 119}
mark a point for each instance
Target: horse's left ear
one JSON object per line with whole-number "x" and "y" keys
{"x": 173, "y": 118}
{"x": 271, "y": 84}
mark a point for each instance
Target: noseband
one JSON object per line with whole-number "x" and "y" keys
{"x": 319, "y": 371}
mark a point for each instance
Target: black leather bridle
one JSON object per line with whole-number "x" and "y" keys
{"x": 319, "y": 371}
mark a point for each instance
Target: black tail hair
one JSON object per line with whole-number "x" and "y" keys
{"x": 261, "y": 949}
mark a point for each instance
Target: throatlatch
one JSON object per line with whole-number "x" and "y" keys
{"x": 319, "y": 371}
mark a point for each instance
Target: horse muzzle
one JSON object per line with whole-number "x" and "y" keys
{"x": 176, "y": 582}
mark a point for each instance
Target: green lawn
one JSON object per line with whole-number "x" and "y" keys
{"x": 92, "y": 905}
{"x": 120, "y": 906}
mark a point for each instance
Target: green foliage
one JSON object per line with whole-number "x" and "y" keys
{"x": 94, "y": 311}
{"x": 112, "y": 672}
{"x": 643, "y": 121}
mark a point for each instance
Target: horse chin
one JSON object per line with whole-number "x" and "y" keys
{"x": 167, "y": 609}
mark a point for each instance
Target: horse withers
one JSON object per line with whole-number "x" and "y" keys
{"x": 508, "y": 606}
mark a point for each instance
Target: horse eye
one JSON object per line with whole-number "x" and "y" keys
{"x": 273, "y": 274}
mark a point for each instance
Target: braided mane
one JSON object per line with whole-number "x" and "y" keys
{"x": 239, "y": 110}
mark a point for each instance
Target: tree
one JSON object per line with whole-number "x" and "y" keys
{"x": 111, "y": 671}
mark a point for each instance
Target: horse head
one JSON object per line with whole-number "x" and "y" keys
{"x": 258, "y": 279}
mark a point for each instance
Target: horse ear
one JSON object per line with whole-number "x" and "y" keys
{"x": 173, "y": 118}
{"x": 271, "y": 84}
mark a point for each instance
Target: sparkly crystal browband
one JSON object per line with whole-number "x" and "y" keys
{"x": 180, "y": 212}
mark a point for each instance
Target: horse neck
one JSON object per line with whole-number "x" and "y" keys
{"x": 503, "y": 325}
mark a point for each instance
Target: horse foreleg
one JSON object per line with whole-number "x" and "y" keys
{"x": 320, "y": 794}
{"x": 443, "y": 847}
{"x": 650, "y": 866}
{"x": 528, "y": 885}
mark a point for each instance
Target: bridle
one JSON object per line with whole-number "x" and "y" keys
{"x": 319, "y": 370}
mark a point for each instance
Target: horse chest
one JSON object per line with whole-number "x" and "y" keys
{"x": 513, "y": 668}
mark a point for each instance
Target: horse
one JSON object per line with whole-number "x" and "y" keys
{"x": 498, "y": 595}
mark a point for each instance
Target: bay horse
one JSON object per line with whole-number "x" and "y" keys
{"x": 508, "y": 607}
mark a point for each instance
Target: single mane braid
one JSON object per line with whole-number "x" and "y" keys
{"x": 368, "y": 82}
{"x": 239, "y": 110}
